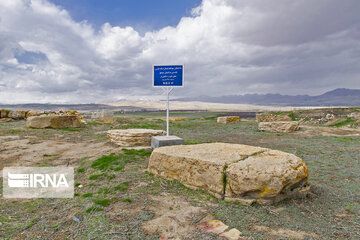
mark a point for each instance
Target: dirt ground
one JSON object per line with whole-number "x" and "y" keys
{"x": 129, "y": 203}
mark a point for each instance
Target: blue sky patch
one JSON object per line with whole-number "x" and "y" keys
{"x": 143, "y": 15}
{"x": 30, "y": 57}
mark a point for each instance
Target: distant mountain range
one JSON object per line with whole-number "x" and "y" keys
{"x": 337, "y": 97}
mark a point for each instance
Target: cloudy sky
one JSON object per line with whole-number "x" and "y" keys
{"x": 95, "y": 51}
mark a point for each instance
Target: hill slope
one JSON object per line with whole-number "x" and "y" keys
{"x": 337, "y": 97}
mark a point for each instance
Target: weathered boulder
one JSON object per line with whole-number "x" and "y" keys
{"x": 133, "y": 137}
{"x": 3, "y": 113}
{"x": 176, "y": 119}
{"x": 54, "y": 121}
{"x": 355, "y": 115}
{"x": 272, "y": 117}
{"x": 232, "y": 171}
{"x": 269, "y": 176}
{"x": 279, "y": 127}
{"x": 228, "y": 119}
{"x": 17, "y": 115}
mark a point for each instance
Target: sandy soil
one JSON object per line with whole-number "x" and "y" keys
{"x": 32, "y": 151}
{"x": 177, "y": 105}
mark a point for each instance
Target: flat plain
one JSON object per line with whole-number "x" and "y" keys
{"x": 115, "y": 197}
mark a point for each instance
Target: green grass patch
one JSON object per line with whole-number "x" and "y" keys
{"x": 224, "y": 178}
{"x": 80, "y": 170}
{"x": 279, "y": 113}
{"x": 87, "y": 195}
{"x": 104, "y": 190}
{"x": 94, "y": 123}
{"x": 15, "y": 131}
{"x": 97, "y": 176}
{"x": 117, "y": 162}
{"x": 292, "y": 116}
{"x": 71, "y": 129}
{"x": 94, "y": 209}
{"x": 128, "y": 200}
{"x": 122, "y": 187}
{"x": 133, "y": 152}
{"x": 145, "y": 125}
{"x": 106, "y": 161}
{"x": 112, "y": 176}
{"x": 211, "y": 118}
{"x": 346, "y": 122}
{"x": 104, "y": 202}
{"x": 188, "y": 142}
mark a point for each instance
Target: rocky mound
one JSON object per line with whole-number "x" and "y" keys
{"x": 279, "y": 127}
{"x": 273, "y": 117}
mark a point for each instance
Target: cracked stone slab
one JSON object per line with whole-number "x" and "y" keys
{"x": 199, "y": 166}
{"x": 233, "y": 171}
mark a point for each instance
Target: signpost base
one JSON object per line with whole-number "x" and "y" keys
{"x": 162, "y": 141}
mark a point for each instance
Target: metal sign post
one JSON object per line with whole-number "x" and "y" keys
{"x": 168, "y": 77}
{"x": 167, "y": 90}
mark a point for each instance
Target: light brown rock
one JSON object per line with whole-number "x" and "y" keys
{"x": 213, "y": 226}
{"x": 33, "y": 113}
{"x": 279, "y": 127}
{"x": 54, "y": 121}
{"x": 267, "y": 177}
{"x": 133, "y": 137}
{"x": 3, "y": 113}
{"x": 228, "y": 119}
{"x": 232, "y": 234}
{"x": 237, "y": 172}
{"x": 271, "y": 117}
{"x": 5, "y": 120}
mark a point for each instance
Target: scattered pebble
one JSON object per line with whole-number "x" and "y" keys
{"x": 80, "y": 186}
{"x": 232, "y": 234}
{"x": 76, "y": 219}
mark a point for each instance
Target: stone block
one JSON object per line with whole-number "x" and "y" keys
{"x": 161, "y": 141}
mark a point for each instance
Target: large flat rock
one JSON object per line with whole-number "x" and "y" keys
{"x": 232, "y": 171}
{"x": 133, "y": 137}
{"x": 198, "y": 166}
{"x": 54, "y": 121}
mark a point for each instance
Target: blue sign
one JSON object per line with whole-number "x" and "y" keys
{"x": 168, "y": 76}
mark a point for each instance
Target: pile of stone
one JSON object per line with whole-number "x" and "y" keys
{"x": 133, "y": 137}
{"x": 228, "y": 119}
{"x": 278, "y": 123}
{"x": 8, "y": 115}
{"x": 24, "y": 114}
{"x": 233, "y": 172}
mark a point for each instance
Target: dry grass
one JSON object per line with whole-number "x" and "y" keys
{"x": 124, "y": 199}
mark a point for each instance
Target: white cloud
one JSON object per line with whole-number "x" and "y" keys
{"x": 227, "y": 46}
